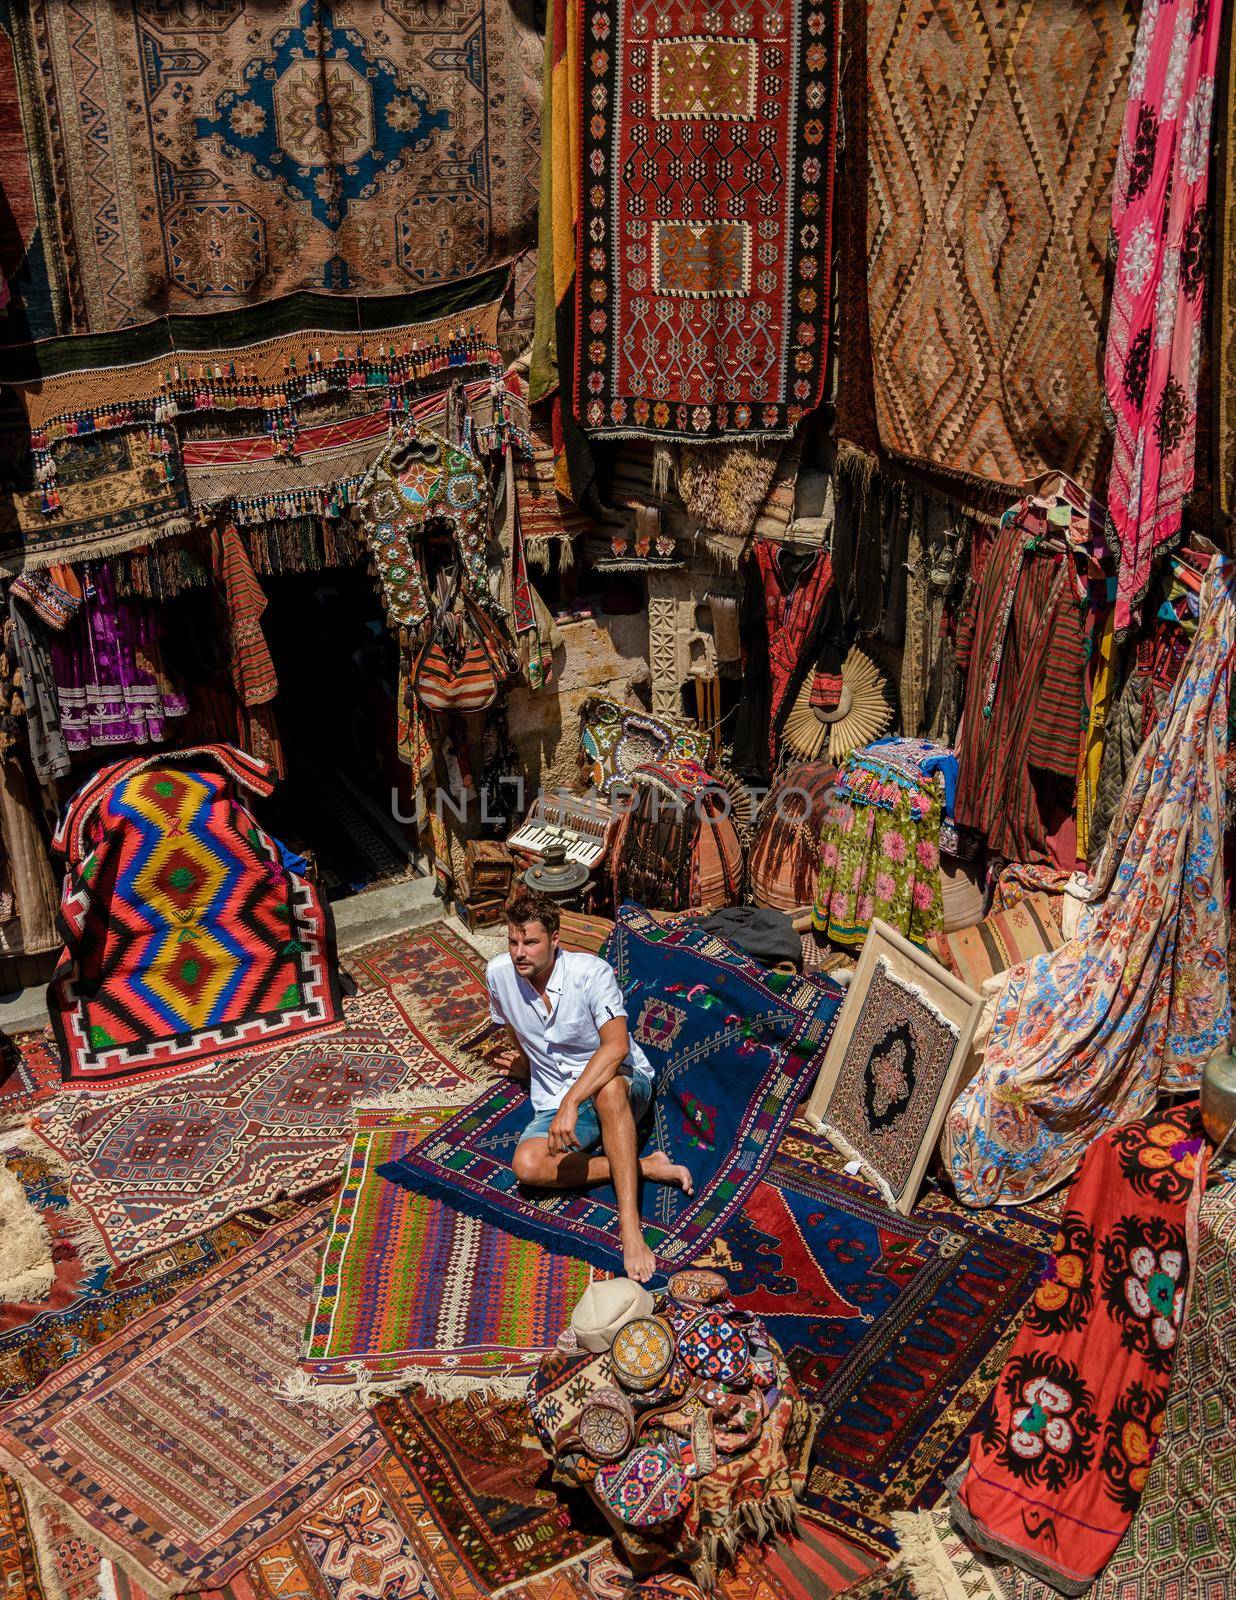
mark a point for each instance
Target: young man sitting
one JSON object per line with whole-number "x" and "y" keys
{"x": 590, "y": 1083}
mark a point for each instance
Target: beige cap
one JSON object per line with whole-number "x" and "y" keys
{"x": 606, "y": 1306}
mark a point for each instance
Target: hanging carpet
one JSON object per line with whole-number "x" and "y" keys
{"x": 187, "y": 931}
{"x": 732, "y": 1047}
{"x": 114, "y": 495}
{"x": 706, "y": 179}
{"x": 253, "y": 149}
{"x": 991, "y": 144}
{"x": 1161, "y": 242}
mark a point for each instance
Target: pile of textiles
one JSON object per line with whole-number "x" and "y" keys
{"x": 685, "y": 1427}
{"x": 678, "y": 846}
{"x": 887, "y": 822}
{"x": 1087, "y": 1036}
{"x": 1021, "y": 643}
{"x": 188, "y": 931}
{"x": 783, "y": 867}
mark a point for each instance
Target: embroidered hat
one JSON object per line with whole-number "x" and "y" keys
{"x": 642, "y": 1353}
{"x": 697, "y": 1287}
{"x": 715, "y": 1347}
{"x": 607, "y": 1425}
{"x": 605, "y": 1307}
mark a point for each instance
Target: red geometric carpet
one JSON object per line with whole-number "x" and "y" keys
{"x": 187, "y": 931}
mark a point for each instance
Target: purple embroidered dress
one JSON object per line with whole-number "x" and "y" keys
{"x": 109, "y": 672}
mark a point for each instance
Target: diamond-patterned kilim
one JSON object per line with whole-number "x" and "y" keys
{"x": 186, "y": 934}
{"x": 707, "y": 149}
{"x": 992, "y": 138}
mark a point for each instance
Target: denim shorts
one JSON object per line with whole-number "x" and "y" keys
{"x": 587, "y": 1125}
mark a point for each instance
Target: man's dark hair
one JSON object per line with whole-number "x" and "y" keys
{"x": 523, "y": 906}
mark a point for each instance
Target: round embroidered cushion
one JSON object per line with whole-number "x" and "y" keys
{"x": 607, "y": 1425}
{"x": 714, "y": 1347}
{"x": 642, "y": 1353}
{"x": 697, "y": 1287}
{"x": 648, "y": 1488}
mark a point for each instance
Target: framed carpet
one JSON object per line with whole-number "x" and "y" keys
{"x": 175, "y": 1445}
{"x": 896, "y": 1327}
{"x": 157, "y": 1164}
{"x": 894, "y": 1063}
{"x": 412, "y": 1291}
{"x": 732, "y": 1047}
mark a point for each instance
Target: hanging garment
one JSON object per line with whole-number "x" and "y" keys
{"x": 880, "y": 845}
{"x": 1160, "y": 232}
{"x": 253, "y": 668}
{"x": 29, "y": 870}
{"x": 1058, "y": 1468}
{"x": 49, "y": 752}
{"x": 1156, "y": 666}
{"x": 1086, "y": 1038}
{"x": 109, "y": 672}
{"x": 790, "y": 615}
{"x": 1021, "y": 644}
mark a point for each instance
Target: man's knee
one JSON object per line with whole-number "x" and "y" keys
{"x": 527, "y": 1162}
{"x": 612, "y": 1099}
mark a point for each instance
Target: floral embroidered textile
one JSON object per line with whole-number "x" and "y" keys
{"x": 1160, "y": 228}
{"x": 879, "y": 862}
{"x": 1059, "y": 1468}
{"x": 1086, "y": 1037}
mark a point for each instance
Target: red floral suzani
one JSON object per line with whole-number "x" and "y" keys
{"x": 1057, "y": 1472}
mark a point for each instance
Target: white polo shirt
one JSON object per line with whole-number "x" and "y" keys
{"x": 582, "y": 995}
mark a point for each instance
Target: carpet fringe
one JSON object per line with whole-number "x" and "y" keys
{"x": 498, "y": 1384}
{"x": 421, "y": 1097}
{"x": 839, "y": 1141}
{"x": 916, "y": 1542}
{"x": 27, "y": 1270}
{"x": 755, "y": 1522}
{"x": 934, "y": 1572}
{"x": 38, "y": 1497}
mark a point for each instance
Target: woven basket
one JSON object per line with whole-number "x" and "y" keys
{"x": 962, "y": 893}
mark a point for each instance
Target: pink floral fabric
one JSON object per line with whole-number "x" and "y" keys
{"x": 1084, "y": 1039}
{"x": 880, "y": 862}
{"x": 1154, "y": 340}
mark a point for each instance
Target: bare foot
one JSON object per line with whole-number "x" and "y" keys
{"x": 658, "y": 1168}
{"x": 637, "y": 1258}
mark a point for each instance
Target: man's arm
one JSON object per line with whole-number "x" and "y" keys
{"x": 603, "y": 1065}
